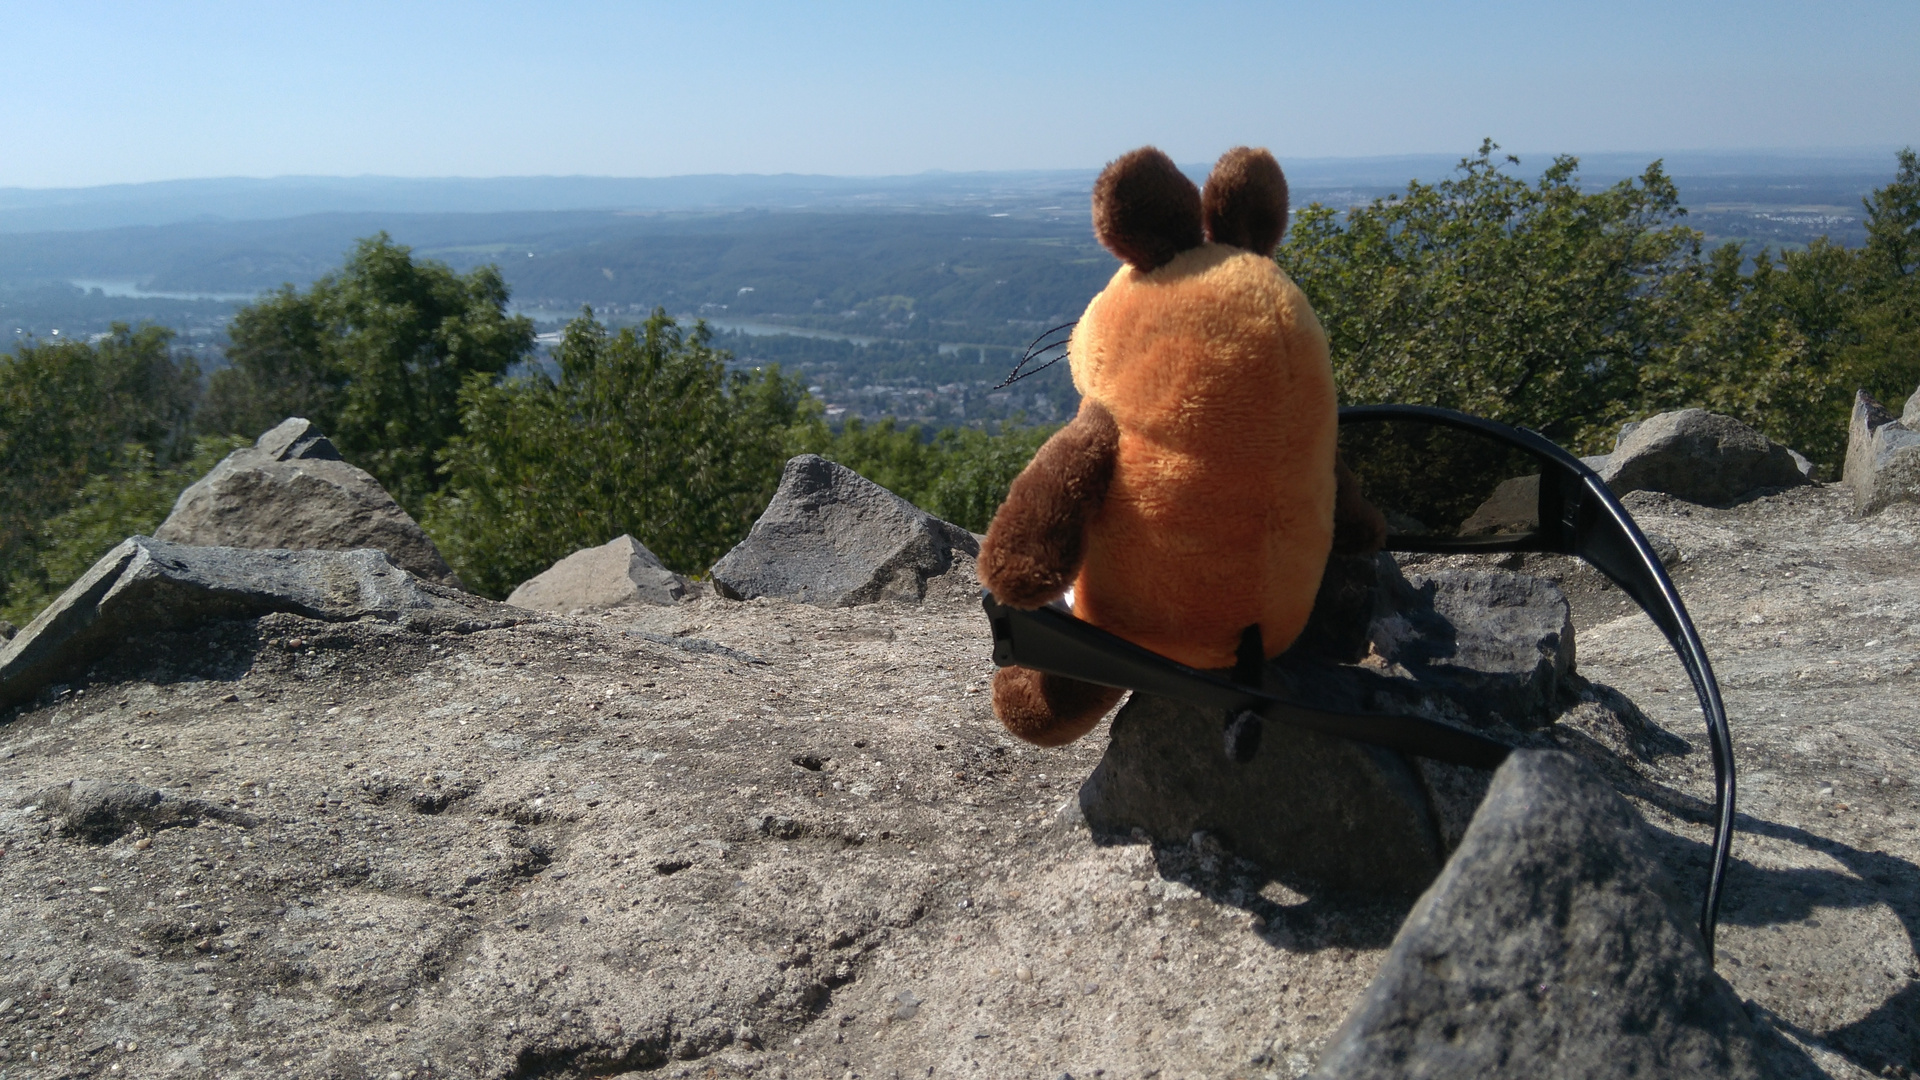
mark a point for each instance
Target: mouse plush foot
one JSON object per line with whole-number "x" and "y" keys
{"x": 1049, "y": 710}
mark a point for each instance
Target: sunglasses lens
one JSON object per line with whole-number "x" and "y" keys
{"x": 1435, "y": 483}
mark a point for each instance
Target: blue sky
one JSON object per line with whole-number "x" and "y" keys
{"x": 95, "y": 93}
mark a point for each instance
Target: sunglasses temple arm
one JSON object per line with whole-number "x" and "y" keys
{"x": 1051, "y": 640}
{"x": 1720, "y": 743}
{"x": 1622, "y": 553}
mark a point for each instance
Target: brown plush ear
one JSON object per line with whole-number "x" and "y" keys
{"x": 1246, "y": 201}
{"x": 1145, "y": 210}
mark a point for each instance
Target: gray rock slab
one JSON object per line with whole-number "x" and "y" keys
{"x": 291, "y": 490}
{"x": 1500, "y": 644}
{"x": 1883, "y": 455}
{"x": 1700, "y": 456}
{"x": 832, "y": 537}
{"x": 1553, "y": 944}
{"x": 1341, "y": 813}
{"x": 146, "y": 584}
{"x": 1479, "y": 648}
{"x": 938, "y": 879}
{"x": 619, "y": 572}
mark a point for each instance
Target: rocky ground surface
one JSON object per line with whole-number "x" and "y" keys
{"x": 766, "y": 839}
{"x": 1812, "y": 619}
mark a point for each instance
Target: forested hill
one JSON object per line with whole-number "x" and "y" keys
{"x": 948, "y": 277}
{"x": 958, "y": 277}
{"x": 956, "y": 258}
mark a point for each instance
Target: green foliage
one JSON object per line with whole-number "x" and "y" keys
{"x": 1570, "y": 312}
{"x": 133, "y": 496}
{"x": 67, "y": 410}
{"x": 1888, "y": 349}
{"x": 376, "y": 354}
{"x": 958, "y": 474}
{"x": 1760, "y": 346}
{"x": 280, "y": 365}
{"x": 646, "y": 433}
{"x": 895, "y": 457}
{"x": 1533, "y": 304}
{"x": 643, "y": 433}
{"x": 1785, "y": 344}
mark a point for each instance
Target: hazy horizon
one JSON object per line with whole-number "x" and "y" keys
{"x": 1838, "y": 158}
{"x": 1829, "y": 178}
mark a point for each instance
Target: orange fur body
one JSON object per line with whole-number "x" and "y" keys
{"x": 1220, "y": 512}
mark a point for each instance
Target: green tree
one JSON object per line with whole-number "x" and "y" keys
{"x": 1784, "y": 343}
{"x": 1535, "y": 304}
{"x": 67, "y": 412}
{"x": 1748, "y": 345}
{"x": 977, "y": 468}
{"x": 644, "y": 433}
{"x": 1570, "y": 311}
{"x": 133, "y": 496}
{"x": 900, "y": 459}
{"x": 281, "y": 363}
{"x": 376, "y": 354}
{"x": 1887, "y": 352}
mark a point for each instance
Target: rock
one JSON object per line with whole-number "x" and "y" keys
{"x": 1478, "y": 648}
{"x": 935, "y": 865}
{"x": 7, "y": 630}
{"x": 1552, "y": 945}
{"x": 1664, "y": 549}
{"x": 290, "y": 490}
{"x": 1497, "y": 644}
{"x": 1344, "y": 814}
{"x": 102, "y": 811}
{"x": 1512, "y": 509}
{"x": 146, "y": 584}
{"x": 833, "y": 538}
{"x": 1700, "y": 456}
{"x": 1883, "y": 455}
{"x": 621, "y": 571}
{"x": 1481, "y": 647}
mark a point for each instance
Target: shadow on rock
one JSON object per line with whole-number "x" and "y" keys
{"x": 1291, "y": 912}
{"x": 1886, "y": 1041}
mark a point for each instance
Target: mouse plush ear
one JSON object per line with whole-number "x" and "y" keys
{"x": 1246, "y": 201}
{"x": 1145, "y": 210}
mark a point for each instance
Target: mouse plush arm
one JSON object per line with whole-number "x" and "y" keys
{"x": 1037, "y": 541}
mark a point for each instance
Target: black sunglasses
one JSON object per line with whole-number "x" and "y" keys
{"x": 1447, "y": 483}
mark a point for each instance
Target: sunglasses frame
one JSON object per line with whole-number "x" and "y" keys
{"x": 1578, "y": 515}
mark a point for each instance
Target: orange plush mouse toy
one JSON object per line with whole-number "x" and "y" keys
{"x": 1194, "y": 495}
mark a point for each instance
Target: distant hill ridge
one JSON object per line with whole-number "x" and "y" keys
{"x": 253, "y": 199}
